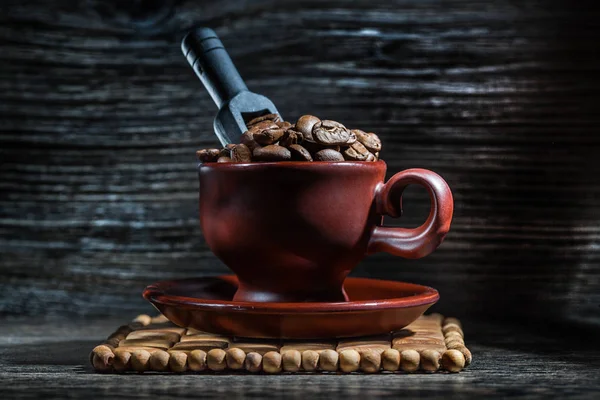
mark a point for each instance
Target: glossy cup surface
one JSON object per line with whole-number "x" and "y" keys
{"x": 292, "y": 231}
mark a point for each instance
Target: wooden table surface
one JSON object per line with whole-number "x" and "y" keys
{"x": 513, "y": 361}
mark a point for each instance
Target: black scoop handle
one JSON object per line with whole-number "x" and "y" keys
{"x": 210, "y": 61}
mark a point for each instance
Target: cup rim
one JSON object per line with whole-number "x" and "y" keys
{"x": 293, "y": 164}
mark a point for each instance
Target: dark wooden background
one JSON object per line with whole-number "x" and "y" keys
{"x": 100, "y": 117}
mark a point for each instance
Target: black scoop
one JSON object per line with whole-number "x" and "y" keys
{"x": 237, "y": 105}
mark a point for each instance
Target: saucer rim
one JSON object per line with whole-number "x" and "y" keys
{"x": 156, "y": 293}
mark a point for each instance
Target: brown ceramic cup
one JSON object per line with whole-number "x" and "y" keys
{"x": 292, "y": 231}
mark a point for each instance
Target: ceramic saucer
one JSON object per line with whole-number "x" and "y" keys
{"x": 374, "y": 307}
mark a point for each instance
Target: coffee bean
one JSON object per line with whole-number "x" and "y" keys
{"x": 225, "y": 152}
{"x": 208, "y": 155}
{"x": 369, "y": 140}
{"x": 299, "y": 153}
{"x": 351, "y": 139}
{"x": 356, "y": 152}
{"x": 284, "y": 125}
{"x": 329, "y": 155}
{"x": 272, "y": 153}
{"x": 290, "y": 137}
{"x": 268, "y": 136}
{"x": 330, "y": 132}
{"x": 241, "y": 153}
{"x": 267, "y": 117}
{"x": 313, "y": 147}
{"x": 305, "y": 125}
{"x": 261, "y": 126}
{"x": 248, "y": 140}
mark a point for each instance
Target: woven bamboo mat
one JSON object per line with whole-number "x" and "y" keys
{"x": 430, "y": 344}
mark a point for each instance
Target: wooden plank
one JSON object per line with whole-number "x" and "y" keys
{"x": 378, "y": 344}
{"x": 202, "y": 344}
{"x": 303, "y": 346}
{"x": 154, "y": 334}
{"x": 256, "y": 347}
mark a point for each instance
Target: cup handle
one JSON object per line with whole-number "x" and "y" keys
{"x": 421, "y": 241}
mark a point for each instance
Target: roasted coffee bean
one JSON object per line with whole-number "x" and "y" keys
{"x": 356, "y": 152}
{"x": 225, "y": 152}
{"x": 208, "y": 155}
{"x": 271, "y": 153}
{"x": 241, "y": 153}
{"x": 351, "y": 140}
{"x": 330, "y": 132}
{"x": 369, "y": 140}
{"x": 214, "y": 153}
{"x": 248, "y": 140}
{"x": 284, "y": 125}
{"x": 261, "y": 126}
{"x": 329, "y": 155}
{"x": 313, "y": 147}
{"x": 299, "y": 153}
{"x": 268, "y": 136}
{"x": 305, "y": 125}
{"x": 290, "y": 137}
{"x": 267, "y": 117}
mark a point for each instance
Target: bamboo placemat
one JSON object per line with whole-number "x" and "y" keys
{"x": 430, "y": 344}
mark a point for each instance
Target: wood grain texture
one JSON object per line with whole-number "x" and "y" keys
{"x": 101, "y": 116}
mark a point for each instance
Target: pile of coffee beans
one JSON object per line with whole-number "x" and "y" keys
{"x": 268, "y": 138}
